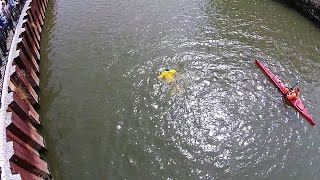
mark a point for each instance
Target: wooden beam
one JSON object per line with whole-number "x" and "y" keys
{"x": 22, "y": 59}
{"x": 20, "y": 77}
{"x": 24, "y": 109}
{"x": 26, "y": 133}
{"x": 25, "y": 175}
{"x": 29, "y": 161}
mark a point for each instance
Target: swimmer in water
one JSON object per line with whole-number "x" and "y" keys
{"x": 168, "y": 75}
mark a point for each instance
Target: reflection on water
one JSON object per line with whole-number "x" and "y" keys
{"x": 112, "y": 118}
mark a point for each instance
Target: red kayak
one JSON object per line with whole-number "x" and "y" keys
{"x": 297, "y": 103}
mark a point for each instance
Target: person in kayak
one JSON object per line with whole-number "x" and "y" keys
{"x": 293, "y": 93}
{"x": 168, "y": 75}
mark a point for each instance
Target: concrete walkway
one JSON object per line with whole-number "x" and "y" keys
{"x": 4, "y": 60}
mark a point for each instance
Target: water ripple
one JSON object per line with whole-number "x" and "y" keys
{"x": 225, "y": 120}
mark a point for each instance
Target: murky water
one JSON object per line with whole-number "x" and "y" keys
{"x": 105, "y": 115}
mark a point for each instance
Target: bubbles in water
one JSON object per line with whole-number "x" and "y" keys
{"x": 259, "y": 87}
{"x": 154, "y": 105}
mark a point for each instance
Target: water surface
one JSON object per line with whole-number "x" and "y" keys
{"x": 105, "y": 115}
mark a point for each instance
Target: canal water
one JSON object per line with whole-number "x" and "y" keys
{"x": 105, "y": 115}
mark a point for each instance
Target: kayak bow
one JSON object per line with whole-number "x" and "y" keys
{"x": 297, "y": 103}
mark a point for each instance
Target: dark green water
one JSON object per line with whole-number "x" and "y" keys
{"x": 106, "y": 116}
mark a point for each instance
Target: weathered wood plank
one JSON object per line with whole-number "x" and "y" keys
{"x": 34, "y": 80}
{"x": 23, "y": 46}
{"x": 25, "y": 175}
{"x": 24, "y": 109}
{"x": 26, "y": 133}
{"x": 29, "y": 161}
{"x": 20, "y": 76}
